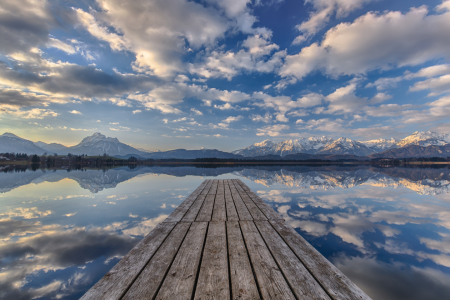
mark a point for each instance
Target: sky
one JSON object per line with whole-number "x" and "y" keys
{"x": 223, "y": 74}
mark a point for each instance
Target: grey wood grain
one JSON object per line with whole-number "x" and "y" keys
{"x": 243, "y": 284}
{"x": 214, "y": 186}
{"x": 241, "y": 209}
{"x": 192, "y": 213}
{"x": 213, "y": 282}
{"x": 220, "y": 187}
{"x": 181, "y": 210}
{"x": 151, "y": 277}
{"x": 271, "y": 281}
{"x": 337, "y": 285}
{"x": 268, "y": 211}
{"x": 254, "y": 210}
{"x": 205, "y": 212}
{"x": 219, "y": 211}
{"x": 180, "y": 280}
{"x": 114, "y": 284}
{"x": 302, "y": 283}
{"x": 229, "y": 203}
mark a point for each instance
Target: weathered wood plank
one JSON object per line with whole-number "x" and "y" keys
{"x": 231, "y": 209}
{"x": 192, "y": 213}
{"x": 254, "y": 210}
{"x": 115, "y": 283}
{"x": 241, "y": 209}
{"x": 214, "y": 186}
{"x": 151, "y": 277}
{"x": 338, "y": 286}
{"x": 181, "y": 210}
{"x": 180, "y": 280}
{"x": 220, "y": 187}
{"x": 213, "y": 282}
{"x": 205, "y": 212}
{"x": 270, "y": 213}
{"x": 271, "y": 281}
{"x": 300, "y": 280}
{"x": 219, "y": 211}
{"x": 243, "y": 284}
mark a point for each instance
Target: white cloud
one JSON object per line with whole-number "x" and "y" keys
{"x": 55, "y": 43}
{"x": 196, "y": 112}
{"x": 75, "y": 112}
{"x": 267, "y": 118}
{"x": 35, "y": 113}
{"x": 160, "y": 32}
{"x": 255, "y": 56}
{"x": 272, "y": 130}
{"x": 322, "y": 11}
{"x": 375, "y": 41}
{"x": 438, "y": 85}
{"x": 137, "y": 111}
{"x": 232, "y": 119}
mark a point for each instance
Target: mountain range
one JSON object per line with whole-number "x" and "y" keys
{"x": 326, "y": 145}
{"x": 419, "y": 144}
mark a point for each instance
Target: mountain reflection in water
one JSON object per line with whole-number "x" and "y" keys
{"x": 388, "y": 229}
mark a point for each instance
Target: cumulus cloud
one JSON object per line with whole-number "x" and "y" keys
{"x": 267, "y": 118}
{"x": 376, "y": 41}
{"x": 160, "y": 32}
{"x": 272, "y": 130}
{"x": 321, "y": 13}
{"x": 255, "y": 56}
{"x": 75, "y": 112}
{"x": 26, "y": 25}
{"x": 232, "y": 119}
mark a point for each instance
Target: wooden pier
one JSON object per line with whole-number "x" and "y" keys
{"x": 224, "y": 242}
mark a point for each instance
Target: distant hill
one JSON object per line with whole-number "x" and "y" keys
{"x": 191, "y": 154}
{"x": 415, "y": 151}
{"x": 12, "y": 143}
{"x": 98, "y": 144}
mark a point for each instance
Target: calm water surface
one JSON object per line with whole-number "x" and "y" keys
{"x": 388, "y": 229}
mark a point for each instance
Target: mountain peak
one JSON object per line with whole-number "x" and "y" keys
{"x": 9, "y": 134}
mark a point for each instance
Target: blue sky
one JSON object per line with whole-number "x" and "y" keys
{"x": 165, "y": 74}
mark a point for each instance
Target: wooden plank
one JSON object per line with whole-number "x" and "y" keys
{"x": 229, "y": 203}
{"x": 151, "y": 277}
{"x": 219, "y": 211}
{"x": 181, "y": 210}
{"x": 300, "y": 280}
{"x": 192, "y": 213}
{"x": 214, "y": 186}
{"x": 241, "y": 209}
{"x": 213, "y": 282}
{"x": 338, "y": 286}
{"x": 115, "y": 283}
{"x": 205, "y": 212}
{"x": 254, "y": 210}
{"x": 268, "y": 211}
{"x": 180, "y": 280}
{"x": 220, "y": 187}
{"x": 243, "y": 284}
{"x": 271, "y": 281}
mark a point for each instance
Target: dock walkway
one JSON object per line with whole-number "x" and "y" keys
{"x": 224, "y": 242}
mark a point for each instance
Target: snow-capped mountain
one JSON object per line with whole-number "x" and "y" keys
{"x": 302, "y": 145}
{"x": 345, "y": 146}
{"x": 12, "y": 143}
{"x": 425, "y": 138}
{"x": 328, "y": 145}
{"x": 98, "y": 144}
{"x": 53, "y": 148}
{"x": 379, "y": 145}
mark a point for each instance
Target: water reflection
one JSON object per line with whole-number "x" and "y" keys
{"x": 388, "y": 229}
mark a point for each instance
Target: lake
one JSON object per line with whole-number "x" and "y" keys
{"x": 387, "y": 229}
